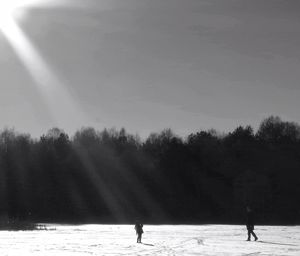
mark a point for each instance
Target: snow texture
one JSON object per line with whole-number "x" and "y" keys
{"x": 157, "y": 240}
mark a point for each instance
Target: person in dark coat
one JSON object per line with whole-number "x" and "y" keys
{"x": 139, "y": 231}
{"x": 250, "y": 224}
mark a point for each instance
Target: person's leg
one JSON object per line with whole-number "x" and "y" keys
{"x": 249, "y": 235}
{"x": 254, "y": 235}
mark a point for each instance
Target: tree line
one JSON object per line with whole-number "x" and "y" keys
{"x": 111, "y": 176}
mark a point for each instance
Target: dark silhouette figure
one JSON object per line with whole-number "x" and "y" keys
{"x": 250, "y": 224}
{"x": 139, "y": 231}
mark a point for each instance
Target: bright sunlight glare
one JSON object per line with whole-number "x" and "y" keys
{"x": 8, "y": 7}
{"x": 6, "y": 10}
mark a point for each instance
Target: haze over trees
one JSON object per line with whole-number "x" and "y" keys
{"x": 112, "y": 176}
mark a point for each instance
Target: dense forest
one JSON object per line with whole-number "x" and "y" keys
{"x": 111, "y": 176}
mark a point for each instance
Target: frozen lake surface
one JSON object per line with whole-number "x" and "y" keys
{"x": 157, "y": 240}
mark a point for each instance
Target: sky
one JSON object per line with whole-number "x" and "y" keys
{"x": 146, "y": 65}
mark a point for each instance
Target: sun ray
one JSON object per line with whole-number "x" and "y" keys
{"x": 61, "y": 105}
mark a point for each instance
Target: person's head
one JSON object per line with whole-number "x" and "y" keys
{"x": 248, "y": 208}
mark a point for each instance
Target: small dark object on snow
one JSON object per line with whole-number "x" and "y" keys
{"x": 250, "y": 224}
{"x": 139, "y": 231}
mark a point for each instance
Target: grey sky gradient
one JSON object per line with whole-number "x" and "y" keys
{"x": 153, "y": 64}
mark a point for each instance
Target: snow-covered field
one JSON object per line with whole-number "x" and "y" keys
{"x": 157, "y": 240}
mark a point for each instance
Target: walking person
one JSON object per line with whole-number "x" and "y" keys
{"x": 250, "y": 224}
{"x": 139, "y": 231}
